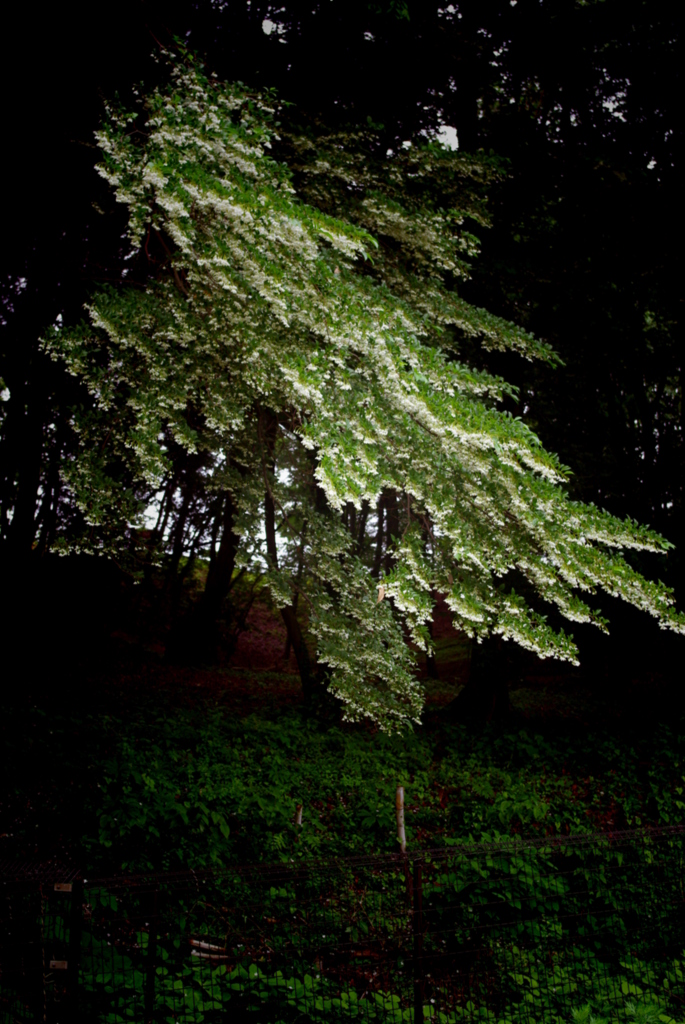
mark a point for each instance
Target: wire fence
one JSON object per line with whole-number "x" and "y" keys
{"x": 510, "y": 932}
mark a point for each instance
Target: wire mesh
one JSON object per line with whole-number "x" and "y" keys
{"x": 515, "y": 932}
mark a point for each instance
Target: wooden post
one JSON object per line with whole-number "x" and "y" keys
{"x": 402, "y": 836}
{"x": 399, "y": 814}
{"x": 298, "y": 815}
{"x": 417, "y": 929}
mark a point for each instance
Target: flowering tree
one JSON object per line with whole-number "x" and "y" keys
{"x": 301, "y": 327}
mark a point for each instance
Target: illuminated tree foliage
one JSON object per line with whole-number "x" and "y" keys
{"x": 303, "y": 329}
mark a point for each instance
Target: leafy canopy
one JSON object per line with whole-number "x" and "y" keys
{"x": 303, "y": 326}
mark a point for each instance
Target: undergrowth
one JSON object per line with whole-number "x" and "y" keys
{"x": 154, "y": 785}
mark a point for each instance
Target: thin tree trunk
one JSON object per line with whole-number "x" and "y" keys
{"x": 431, "y": 665}
{"x": 50, "y": 525}
{"x": 216, "y": 526}
{"x": 288, "y": 614}
{"x": 40, "y": 524}
{"x": 221, "y": 571}
{"x": 393, "y": 528}
{"x": 361, "y": 528}
{"x": 165, "y": 509}
{"x": 196, "y": 635}
{"x": 312, "y": 681}
{"x": 158, "y": 531}
{"x": 298, "y": 577}
{"x": 179, "y": 535}
{"x": 352, "y": 519}
{"x": 376, "y": 569}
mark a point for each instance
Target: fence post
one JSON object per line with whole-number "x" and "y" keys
{"x": 74, "y": 954}
{"x": 399, "y": 816}
{"x": 417, "y": 928}
{"x": 151, "y": 957}
{"x": 402, "y": 837}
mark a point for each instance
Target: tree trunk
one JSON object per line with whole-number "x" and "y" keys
{"x": 179, "y": 537}
{"x": 361, "y": 527}
{"x": 196, "y": 636}
{"x": 221, "y": 571}
{"x": 298, "y": 577}
{"x": 313, "y": 679}
{"x": 431, "y": 666}
{"x": 166, "y": 505}
{"x": 392, "y": 517}
{"x": 310, "y": 684}
{"x": 376, "y": 570}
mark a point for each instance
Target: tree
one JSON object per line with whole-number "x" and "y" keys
{"x": 592, "y": 108}
{"x": 301, "y": 323}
